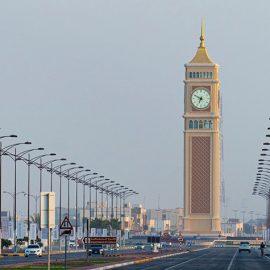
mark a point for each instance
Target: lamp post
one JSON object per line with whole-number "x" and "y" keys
{"x": 127, "y": 194}
{"x": 52, "y": 169}
{"x": 60, "y": 193}
{"x": 13, "y": 195}
{"x": 107, "y": 198}
{"x": 124, "y": 189}
{"x": 68, "y": 178}
{"x": 96, "y": 186}
{"x": 60, "y": 173}
{"x": 2, "y": 137}
{"x": 117, "y": 194}
{"x": 102, "y": 190}
{"x": 112, "y": 193}
{"x": 76, "y": 207}
{"x": 82, "y": 180}
{"x": 29, "y": 162}
{"x": 35, "y": 197}
{"x": 15, "y": 157}
{"x": 89, "y": 183}
{"x": 41, "y": 167}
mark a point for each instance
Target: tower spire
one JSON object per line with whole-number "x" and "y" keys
{"x": 202, "y": 34}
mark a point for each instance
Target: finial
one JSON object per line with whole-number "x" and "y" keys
{"x": 202, "y": 34}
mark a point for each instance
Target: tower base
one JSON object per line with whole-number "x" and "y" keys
{"x": 203, "y": 226}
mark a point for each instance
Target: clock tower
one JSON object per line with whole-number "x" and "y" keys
{"x": 201, "y": 145}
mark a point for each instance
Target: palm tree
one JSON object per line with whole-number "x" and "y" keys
{"x": 35, "y": 218}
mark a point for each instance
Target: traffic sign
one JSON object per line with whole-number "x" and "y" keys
{"x": 100, "y": 240}
{"x": 66, "y": 225}
{"x": 65, "y": 232}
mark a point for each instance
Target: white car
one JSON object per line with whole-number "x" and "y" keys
{"x": 139, "y": 246}
{"x": 72, "y": 244}
{"x": 244, "y": 246}
{"x": 33, "y": 250}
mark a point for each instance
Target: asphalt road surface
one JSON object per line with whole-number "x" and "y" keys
{"x": 10, "y": 260}
{"x": 212, "y": 258}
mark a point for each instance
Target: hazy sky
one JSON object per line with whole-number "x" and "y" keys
{"x": 101, "y": 83}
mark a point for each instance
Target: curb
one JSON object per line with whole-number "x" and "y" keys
{"x": 143, "y": 260}
{"x": 11, "y": 255}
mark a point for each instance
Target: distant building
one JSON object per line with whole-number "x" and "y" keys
{"x": 160, "y": 220}
{"x": 233, "y": 227}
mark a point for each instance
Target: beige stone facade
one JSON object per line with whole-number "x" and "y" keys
{"x": 201, "y": 147}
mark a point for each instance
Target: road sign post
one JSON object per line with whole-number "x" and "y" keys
{"x": 65, "y": 229}
{"x": 87, "y": 234}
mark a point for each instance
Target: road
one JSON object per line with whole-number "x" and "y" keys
{"x": 10, "y": 260}
{"x": 212, "y": 258}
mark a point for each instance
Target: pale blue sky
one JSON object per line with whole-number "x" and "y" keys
{"x": 100, "y": 83}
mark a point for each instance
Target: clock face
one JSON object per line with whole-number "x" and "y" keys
{"x": 200, "y": 98}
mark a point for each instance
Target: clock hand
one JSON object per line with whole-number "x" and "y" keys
{"x": 198, "y": 97}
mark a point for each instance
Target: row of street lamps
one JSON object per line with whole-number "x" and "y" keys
{"x": 262, "y": 182}
{"x": 68, "y": 170}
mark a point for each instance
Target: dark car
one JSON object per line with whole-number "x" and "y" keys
{"x": 96, "y": 249}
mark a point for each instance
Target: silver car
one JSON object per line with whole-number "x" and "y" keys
{"x": 244, "y": 246}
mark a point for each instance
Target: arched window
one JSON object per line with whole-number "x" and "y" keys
{"x": 210, "y": 124}
{"x": 200, "y": 124}
{"x": 198, "y": 75}
{"x": 190, "y": 74}
{"x": 211, "y": 74}
{"x": 193, "y": 75}
{"x": 206, "y": 124}
{"x": 195, "y": 124}
{"x": 207, "y": 75}
{"x": 190, "y": 124}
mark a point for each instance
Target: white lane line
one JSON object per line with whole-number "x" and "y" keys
{"x": 171, "y": 267}
{"x": 231, "y": 262}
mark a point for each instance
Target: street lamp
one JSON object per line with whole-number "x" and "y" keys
{"x": 107, "y": 198}
{"x": 96, "y": 187}
{"x": 15, "y": 157}
{"x": 13, "y": 195}
{"x": 60, "y": 173}
{"x": 35, "y": 197}
{"x": 68, "y": 177}
{"x": 117, "y": 193}
{"x": 52, "y": 169}
{"x": 89, "y": 183}
{"x": 124, "y": 189}
{"x": 2, "y": 137}
{"x": 112, "y": 193}
{"x": 29, "y": 162}
{"x": 41, "y": 167}
{"x": 81, "y": 179}
{"x": 102, "y": 189}
{"x": 76, "y": 209}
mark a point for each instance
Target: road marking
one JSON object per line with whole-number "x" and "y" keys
{"x": 171, "y": 267}
{"x": 267, "y": 257}
{"x": 231, "y": 262}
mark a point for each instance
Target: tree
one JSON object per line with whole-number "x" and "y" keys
{"x": 35, "y": 218}
{"x": 6, "y": 243}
